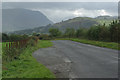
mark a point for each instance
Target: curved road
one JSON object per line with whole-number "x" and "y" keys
{"x": 69, "y": 59}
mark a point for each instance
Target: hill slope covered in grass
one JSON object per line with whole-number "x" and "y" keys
{"x": 84, "y": 22}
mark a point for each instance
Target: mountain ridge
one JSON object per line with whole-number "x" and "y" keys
{"x": 20, "y": 19}
{"x": 77, "y": 22}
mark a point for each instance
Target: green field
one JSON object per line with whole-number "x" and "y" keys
{"x": 27, "y": 66}
{"x": 3, "y": 44}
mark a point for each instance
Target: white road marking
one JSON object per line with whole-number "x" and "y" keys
{"x": 67, "y": 60}
{"x": 115, "y": 57}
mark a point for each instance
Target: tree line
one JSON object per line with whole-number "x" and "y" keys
{"x": 13, "y": 37}
{"x": 98, "y": 32}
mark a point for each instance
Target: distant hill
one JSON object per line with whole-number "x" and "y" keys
{"x": 75, "y": 23}
{"x": 20, "y": 19}
{"x": 106, "y": 17}
{"x": 42, "y": 29}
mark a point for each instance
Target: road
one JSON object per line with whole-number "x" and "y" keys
{"x": 69, "y": 59}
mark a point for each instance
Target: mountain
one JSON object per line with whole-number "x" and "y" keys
{"x": 42, "y": 29}
{"x": 75, "y": 23}
{"x": 106, "y": 17}
{"x": 20, "y": 19}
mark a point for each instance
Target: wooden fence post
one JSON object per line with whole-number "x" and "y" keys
{"x": 18, "y": 44}
{"x": 9, "y": 45}
{"x": 6, "y": 45}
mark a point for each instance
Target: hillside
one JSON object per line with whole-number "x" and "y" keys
{"x": 42, "y": 29}
{"x": 71, "y": 23}
{"x": 105, "y": 19}
{"x": 75, "y": 23}
{"x": 20, "y": 19}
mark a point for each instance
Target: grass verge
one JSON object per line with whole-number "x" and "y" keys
{"x": 27, "y": 66}
{"x": 111, "y": 45}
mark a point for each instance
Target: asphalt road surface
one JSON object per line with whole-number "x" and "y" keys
{"x": 69, "y": 59}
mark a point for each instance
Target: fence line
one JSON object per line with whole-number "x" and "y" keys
{"x": 17, "y": 44}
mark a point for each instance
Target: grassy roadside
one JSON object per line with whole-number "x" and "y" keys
{"x": 111, "y": 45}
{"x": 27, "y": 66}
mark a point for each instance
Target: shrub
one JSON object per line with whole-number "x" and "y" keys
{"x": 100, "y": 32}
{"x": 70, "y": 32}
{"x": 44, "y": 37}
{"x": 10, "y": 53}
{"x": 55, "y": 32}
{"x": 31, "y": 42}
{"x": 81, "y": 33}
{"x": 115, "y": 31}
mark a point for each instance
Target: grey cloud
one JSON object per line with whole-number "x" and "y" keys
{"x": 57, "y": 11}
{"x": 111, "y": 6}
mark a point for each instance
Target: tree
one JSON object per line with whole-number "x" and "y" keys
{"x": 55, "y": 32}
{"x": 100, "y": 32}
{"x": 70, "y": 32}
{"x": 34, "y": 34}
{"x": 5, "y": 37}
{"x": 81, "y": 32}
{"x": 115, "y": 31}
{"x": 93, "y": 33}
{"x": 104, "y": 34}
{"x": 25, "y": 36}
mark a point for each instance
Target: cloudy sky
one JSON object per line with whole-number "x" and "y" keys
{"x": 58, "y": 11}
{"x": 60, "y": 0}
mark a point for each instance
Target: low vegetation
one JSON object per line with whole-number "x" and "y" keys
{"x": 111, "y": 45}
{"x": 25, "y": 66}
{"x": 13, "y": 37}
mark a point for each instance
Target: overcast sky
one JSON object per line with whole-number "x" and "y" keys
{"x": 60, "y": 0}
{"x": 58, "y": 11}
